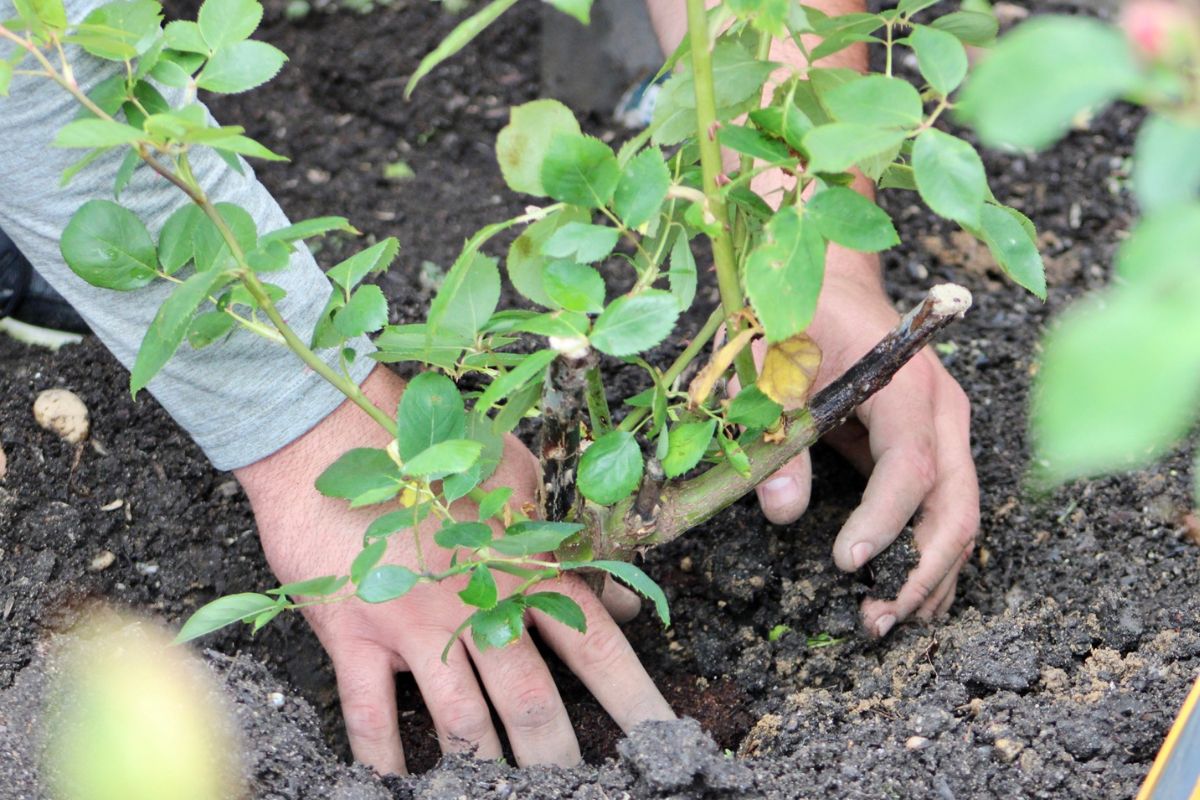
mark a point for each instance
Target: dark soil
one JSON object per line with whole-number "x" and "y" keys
{"x": 1056, "y": 675}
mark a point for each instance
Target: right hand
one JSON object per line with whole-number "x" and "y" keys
{"x": 305, "y": 535}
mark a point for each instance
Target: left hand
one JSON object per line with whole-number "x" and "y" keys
{"x": 912, "y": 439}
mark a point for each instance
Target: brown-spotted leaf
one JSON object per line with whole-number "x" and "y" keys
{"x": 789, "y": 370}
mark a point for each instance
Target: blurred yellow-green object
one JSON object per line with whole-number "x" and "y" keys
{"x": 134, "y": 718}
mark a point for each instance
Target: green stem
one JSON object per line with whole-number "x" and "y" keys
{"x": 597, "y": 403}
{"x": 710, "y": 167}
{"x": 702, "y": 338}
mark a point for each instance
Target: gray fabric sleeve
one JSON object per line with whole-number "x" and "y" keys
{"x": 242, "y": 399}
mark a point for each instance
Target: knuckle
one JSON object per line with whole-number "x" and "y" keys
{"x": 535, "y": 707}
{"x": 965, "y": 531}
{"x": 604, "y": 649}
{"x": 366, "y": 722}
{"x": 464, "y": 721}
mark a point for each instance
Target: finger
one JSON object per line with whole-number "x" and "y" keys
{"x": 947, "y": 529}
{"x": 525, "y": 697}
{"x": 904, "y": 475}
{"x": 621, "y": 603}
{"x": 367, "y": 690}
{"x": 460, "y": 713}
{"x": 943, "y": 597}
{"x": 852, "y": 441}
{"x": 784, "y": 496}
{"x": 604, "y": 660}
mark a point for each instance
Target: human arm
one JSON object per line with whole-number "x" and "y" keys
{"x": 912, "y": 438}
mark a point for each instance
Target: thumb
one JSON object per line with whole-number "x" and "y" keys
{"x": 784, "y": 496}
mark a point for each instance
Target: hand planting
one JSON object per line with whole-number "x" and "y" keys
{"x": 614, "y": 481}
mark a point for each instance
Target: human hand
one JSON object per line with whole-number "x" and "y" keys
{"x": 912, "y": 438}
{"x": 305, "y": 535}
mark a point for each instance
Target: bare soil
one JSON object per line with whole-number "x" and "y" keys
{"x": 1076, "y": 632}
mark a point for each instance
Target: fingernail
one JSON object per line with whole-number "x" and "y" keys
{"x": 884, "y": 624}
{"x": 779, "y": 492}
{"x": 861, "y": 554}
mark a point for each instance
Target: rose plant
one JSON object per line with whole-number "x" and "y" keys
{"x": 618, "y": 480}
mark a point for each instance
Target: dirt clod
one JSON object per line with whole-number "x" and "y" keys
{"x": 62, "y": 412}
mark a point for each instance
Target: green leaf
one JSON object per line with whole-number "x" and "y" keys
{"x": 374, "y": 259}
{"x": 738, "y": 78}
{"x": 358, "y": 472}
{"x": 950, "y": 176}
{"x": 457, "y": 39}
{"x": 575, "y": 287}
{"x": 844, "y": 216}
{"x": 6, "y": 76}
{"x": 444, "y": 458}
{"x": 498, "y": 626}
{"x": 170, "y": 325}
{"x": 387, "y": 583}
{"x": 611, "y": 468}
{"x": 240, "y": 67}
{"x": 96, "y": 133}
{"x": 522, "y": 144}
{"x": 176, "y": 241}
{"x": 431, "y": 411}
{"x": 365, "y": 312}
{"x": 642, "y": 188}
{"x": 186, "y": 36}
{"x": 582, "y": 241}
{"x": 752, "y": 408}
{"x": 225, "y": 22}
{"x": 467, "y": 297}
{"x": 687, "y": 443}
{"x": 212, "y": 252}
{"x": 840, "y": 145}
{"x": 245, "y": 146}
{"x": 223, "y": 611}
{"x": 534, "y": 366}
{"x": 1042, "y": 75}
{"x": 941, "y": 58}
{"x": 682, "y": 274}
{"x": 786, "y": 122}
{"x": 109, "y": 247}
{"x": 481, "y": 588}
{"x": 119, "y": 31}
{"x": 208, "y": 328}
{"x": 311, "y": 228}
{"x": 1119, "y": 383}
{"x": 1166, "y": 243}
{"x": 313, "y": 587}
{"x": 1013, "y": 249}
{"x": 637, "y": 580}
{"x": 396, "y": 521}
{"x": 533, "y": 537}
{"x": 734, "y": 455}
{"x": 408, "y": 343}
{"x": 970, "y": 27}
{"x": 493, "y": 502}
{"x": 876, "y": 101}
{"x": 269, "y": 257}
{"x": 467, "y": 535}
{"x": 1166, "y": 163}
{"x": 558, "y": 607}
{"x": 367, "y": 558}
{"x": 581, "y": 170}
{"x": 526, "y": 263}
{"x": 754, "y": 143}
{"x": 784, "y": 275}
{"x": 579, "y": 9}
{"x": 635, "y": 323}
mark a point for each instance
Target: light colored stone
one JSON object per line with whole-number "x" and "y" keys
{"x": 916, "y": 743}
{"x": 1008, "y": 749}
{"x": 62, "y": 412}
{"x": 102, "y": 561}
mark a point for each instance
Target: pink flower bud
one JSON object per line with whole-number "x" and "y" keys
{"x": 1159, "y": 29}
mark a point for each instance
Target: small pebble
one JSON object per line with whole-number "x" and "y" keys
{"x": 62, "y": 412}
{"x": 915, "y": 743}
{"x": 102, "y": 561}
{"x": 146, "y": 569}
{"x": 1009, "y": 749}
{"x": 686, "y": 564}
{"x": 113, "y": 506}
{"x": 276, "y": 699}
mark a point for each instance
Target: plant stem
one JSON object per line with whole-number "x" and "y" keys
{"x": 687, "y": 504}
{"x": 702, "y": 338}
{"x": 710, "y": 166}
{"x": 597, "y": 403}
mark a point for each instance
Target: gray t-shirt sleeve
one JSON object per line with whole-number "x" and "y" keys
{"x": 241, "y": 399}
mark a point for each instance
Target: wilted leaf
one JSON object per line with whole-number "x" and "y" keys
{"x": 789, "y": 370}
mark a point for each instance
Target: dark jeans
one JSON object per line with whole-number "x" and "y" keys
{"x": 25, "y": 296}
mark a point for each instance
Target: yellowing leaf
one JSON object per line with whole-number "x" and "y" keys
{"x": 789, "y": 370}
{"x": 702, "y": 385}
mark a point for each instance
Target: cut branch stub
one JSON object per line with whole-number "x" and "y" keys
{"x": 563, "y": 403}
